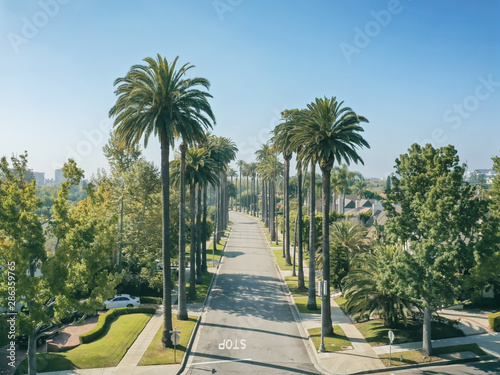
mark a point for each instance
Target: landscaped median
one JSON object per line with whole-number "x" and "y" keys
{"x": 112, "y": 337}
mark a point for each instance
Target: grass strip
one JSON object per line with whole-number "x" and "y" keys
{"x": 293, "y": 286}
{"x": 413, "y": 357}
{"x": 104, "y": 352}
{"x": 201, "y": 289}
{"x": 157, "y": 354}
{"x": 377, "y": 335}
{"x": 333, "y": 343}
{"x": 281, "y": 261}
{"x": 301, "y": 303}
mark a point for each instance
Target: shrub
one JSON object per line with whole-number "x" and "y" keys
{"x": 109, "y": 317}
{"x": 494, "y": 321}
{"x": 155, "y": 300}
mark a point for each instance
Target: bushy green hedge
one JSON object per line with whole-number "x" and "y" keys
{"x": 109, "y": 317}
{"x": 494, "y": 321}
{"x": 156, "y": 300}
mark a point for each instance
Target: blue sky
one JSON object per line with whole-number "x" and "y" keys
{"x": 420, "y": 71}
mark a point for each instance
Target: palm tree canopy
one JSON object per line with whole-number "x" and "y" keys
{"x": 200, "y": 168}
{"x": 156, "y": 99}
{"x": 350, "y": 236}
{"x": 329, "y": 133}
{"x": 283, "y": 132}
{"x": 222, "y": 150}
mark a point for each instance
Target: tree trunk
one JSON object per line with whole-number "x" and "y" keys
{"x": 192, "y": 250}
{"x": 264, "y": 204}
{"x": 167, "y": 272}
{"x": 199, "y": 278}
{"x": 204, "y": 267}
{"x": 240, "y": 190}
{"x": 326, "y": 321}
{"x": 311, "y": 296}
{"x": 301, "y": 283}
{"x": 32, "y": 364}
{"x": 286, "y": 217}
{"x": 272, "y": 208}
{"x": 426, "y": 337}
{"x": 181, "y": 298}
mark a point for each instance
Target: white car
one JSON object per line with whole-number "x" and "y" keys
{"x": 122, "y": 300}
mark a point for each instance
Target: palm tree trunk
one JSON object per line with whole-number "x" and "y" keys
{"x": 240, "y": 189}
{"x": 199, "y": 278}
{"x": 311, "y": 295}
{"x": 286, "y": 218}
{"x": 192, "y": 250}
{"x": 272, "y": 208}
{"x": 326, "y": 318}
{"x": 182, "y": 304}
{"x": 167, "y": 272}
{"x": 204, "y": 267}
{"x": 301, "y": 283}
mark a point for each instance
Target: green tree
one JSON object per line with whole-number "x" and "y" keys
{"x": 330, "y": 133}
{"x": 156, "y": 99}
{"x": 372, "y": 285}
{"x": 440, "y": 221}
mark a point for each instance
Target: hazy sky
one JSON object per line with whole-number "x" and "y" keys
{"x": 420, "y": 71}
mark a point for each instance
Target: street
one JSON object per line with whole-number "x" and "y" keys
{"x": 248, "y": 326}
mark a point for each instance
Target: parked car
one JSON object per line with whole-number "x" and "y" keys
{"x": 43, "y": 334}
{"x": 122, "y": 300}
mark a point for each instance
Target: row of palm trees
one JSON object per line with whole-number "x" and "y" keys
{"x": 324, "y": 133}
{"x": 157, "y": 99}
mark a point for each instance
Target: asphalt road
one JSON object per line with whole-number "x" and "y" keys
{"x": 248, "y": 327}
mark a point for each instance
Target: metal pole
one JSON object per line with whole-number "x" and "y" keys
{"x": 322, "y": 295}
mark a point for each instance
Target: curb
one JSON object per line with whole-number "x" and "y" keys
{"x": 185, "y": 359}
{"x": 429, "y": 364}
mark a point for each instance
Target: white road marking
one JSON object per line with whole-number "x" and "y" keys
{"x": 228, "y": 360}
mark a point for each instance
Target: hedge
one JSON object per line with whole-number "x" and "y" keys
{"x": 106, "y": 319}
{"x": 494, "y": 320}
{"x": 155, "y": 300}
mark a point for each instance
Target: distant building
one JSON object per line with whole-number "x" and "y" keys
{"x": 58, "y": 176}
{"x": 39, "y": 177}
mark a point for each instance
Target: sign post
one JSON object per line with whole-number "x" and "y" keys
{"x": 391, "y": 339}
{"x": 322, "y": 293}
{"x": 175, "y": 340}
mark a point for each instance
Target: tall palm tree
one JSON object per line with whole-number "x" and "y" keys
{"x": 156, "y": 99}
{"x": 240, "y": 164}
{"x": 330, "y": 133}
{"x": 281, "y": 143}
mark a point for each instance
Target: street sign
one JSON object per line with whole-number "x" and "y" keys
{"x": 175, "y": 338}
{"x": 391, "y": 336}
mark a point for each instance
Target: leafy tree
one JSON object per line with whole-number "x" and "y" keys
{"x": 441, "y": 223}
{"x": 156, "y": 99}
{"x": 51, "y": 285}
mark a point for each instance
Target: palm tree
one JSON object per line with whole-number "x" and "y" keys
{"x": 240, "y": 165}
{"x": 329, "y": 133}
{"x": 370, "y": 285}
{"x": 261, "y": 155}
{"x": 281, "y": 143}
{"x": 156, "y": 99}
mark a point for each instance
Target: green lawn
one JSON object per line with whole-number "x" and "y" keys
{"x": 415, "y": 356}
{"x": 104, "y": 352}
{"x": 156, "y": 354}
{"x": 201, "y": 289}
{"x": 217, "y": 253}
{"x": 341, "y": 301}
{"x": 376, "y": 334}
{"x": 333, "y": 343}
{"x": 301, "y": 303}
{"x": 281, "y": 261}
{"x": 292, "y": 282}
